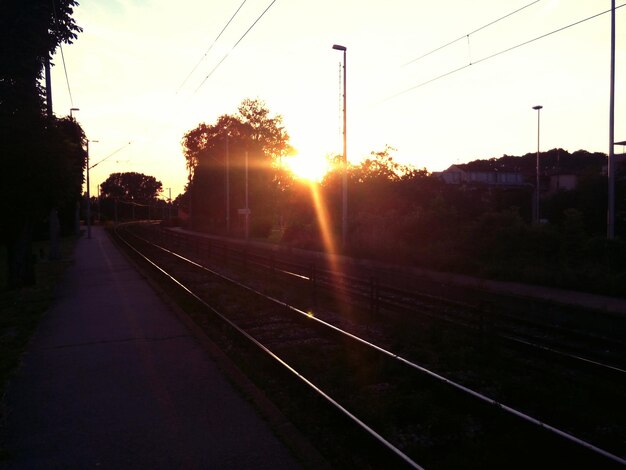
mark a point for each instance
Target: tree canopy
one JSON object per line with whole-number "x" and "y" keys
{"x": 131, "y": 187}
{"x": 42, "y": 156}
{"x": 30, "y": 31}
{"x": 236, "y": 156}
{"x": 251, "y": 128}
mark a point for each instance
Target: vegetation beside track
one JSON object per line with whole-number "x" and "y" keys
{"x": 22, "y": 309}
{"x": 294, "y": 400}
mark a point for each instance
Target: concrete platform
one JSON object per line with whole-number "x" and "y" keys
{"x": 113, "y": 379}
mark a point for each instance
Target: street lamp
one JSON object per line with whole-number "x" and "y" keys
{"x": 88, "y": 193}
{"x": 344, "y": 217}
{"x": 73, "y": 109}
{"x": 227, "y": 169}
{"x": 610, "y": 219}
{"x": 537, "y": 218}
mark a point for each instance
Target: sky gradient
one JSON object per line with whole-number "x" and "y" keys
{"x": 127, "y": 67}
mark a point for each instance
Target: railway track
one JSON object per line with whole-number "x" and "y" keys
{"x": 578, "y": 343}
{"x": 376, "y": 379}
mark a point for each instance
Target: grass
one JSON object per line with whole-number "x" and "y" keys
{"x": 22, "y": 309}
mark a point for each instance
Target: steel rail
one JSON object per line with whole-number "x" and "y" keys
{"x": 309, "y": 383}
{"x": 407, "y": 362}
{"x": 326, "y": 278}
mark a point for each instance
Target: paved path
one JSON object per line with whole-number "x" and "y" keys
{"x": 112, "y": 379}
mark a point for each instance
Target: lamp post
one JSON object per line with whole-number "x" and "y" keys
{"x": 610, "y": 222}
{"x": 537, "y": 218}
{"x": 77, "y": 212}
{"x": 88, "y": 193}
{"x": 344, "y": 217}
{"x": 169, "y": 205}
{"x": 227, "y": 169}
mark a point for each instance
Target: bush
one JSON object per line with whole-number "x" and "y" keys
{"x": 261, "y": 227}
{"x": 302, "y": 236}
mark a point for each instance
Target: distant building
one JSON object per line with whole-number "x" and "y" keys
{"x": 457, "y": 175}
{"x": 563, "y": 182}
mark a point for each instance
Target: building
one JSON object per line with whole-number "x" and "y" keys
{"x": 457, "y": 175}
{"x": 562, "y": 182}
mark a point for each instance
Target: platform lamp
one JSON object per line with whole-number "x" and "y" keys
{"x": 344, "y": 217}
{"x": 537, "y": 218}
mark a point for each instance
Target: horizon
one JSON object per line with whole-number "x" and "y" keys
{"x": 131, "y": 73}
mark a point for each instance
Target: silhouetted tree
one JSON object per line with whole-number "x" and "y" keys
{"x": 216, "y": 159}
{"x": 131, "y": 187}
{"x": 34, "y": 148}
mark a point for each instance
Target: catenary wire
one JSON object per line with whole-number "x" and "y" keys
{"x": 109, "y": 155}
{"x": 504, "y": 51}
{"x": 67, "y": 80}
{"x": 233, "y": 48}
{"x": 473, "y": 32}
{"x": 211, "y": 46}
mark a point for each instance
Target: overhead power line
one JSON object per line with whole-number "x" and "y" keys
{"x": 109, "y": 155}
{"x": 499, "y": 53}
{"x": 211, "y": 46}
{"x": 67, "y": 80}
{"x": 233, "y": 48}
{"x": 473, "y": 32}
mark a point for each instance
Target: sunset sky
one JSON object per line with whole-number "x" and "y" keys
{"x": 127, "y": 67}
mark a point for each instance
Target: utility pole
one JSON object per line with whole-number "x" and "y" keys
{"x": 190, "y": 200}
{"x": 537, "y": 193}
{"x": 48, "y": 87}
{"x": 610, "y": 230}
{"x": 169, "y": 206}
{"x": 247, "y": 210}
{"x": 88, "y": 196}
{"x": 227, "y": 187}
{"x": 344, "y": 217}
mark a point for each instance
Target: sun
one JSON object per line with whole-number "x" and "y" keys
{"x": 307, "y": 167}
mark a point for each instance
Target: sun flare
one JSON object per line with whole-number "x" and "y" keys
{"x": 307, "y": 167}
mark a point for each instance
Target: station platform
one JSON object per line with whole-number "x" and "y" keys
{"x": 114, "y": 378}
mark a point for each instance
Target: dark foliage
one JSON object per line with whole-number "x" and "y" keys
{"x": 233, "y": 159}
{"x": 403, "y": 215}
{"x": 131, "y": 187}
{"x": 42, "y": 156}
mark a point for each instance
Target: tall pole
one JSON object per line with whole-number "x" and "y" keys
{"x": 227, "y": 187}
{"x": 88, "y": 196}
{"x": 190, "y": 199}
{"x": 344, "y": 217}
{"x": 169, "y": 205}
{"x": 610, "y": 230}
{"x": 77, "y": 213}
{"x": 537, "y": 216}
{"x": 247, "y": 210}
{"x": 48, "y": 87}
{"x": 88, "y": 193}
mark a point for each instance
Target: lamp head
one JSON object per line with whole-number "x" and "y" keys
{"x": 337, "y": 47}
{"x": 538, "y": 107}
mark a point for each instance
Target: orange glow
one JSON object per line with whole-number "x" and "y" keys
{"x": 326, "y": 230}
{"x": 323, "y": 219}
{"x": 308, "y": 168}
